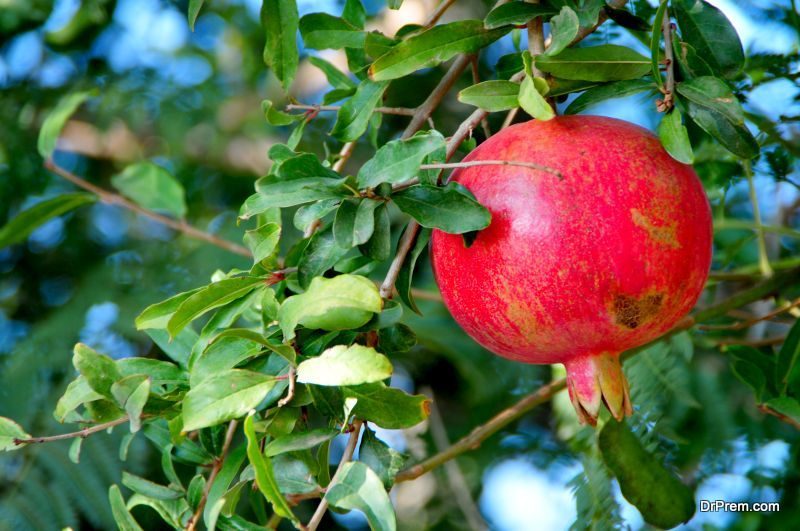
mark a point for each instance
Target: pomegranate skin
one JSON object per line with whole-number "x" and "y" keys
{"x": 602, "y": 258}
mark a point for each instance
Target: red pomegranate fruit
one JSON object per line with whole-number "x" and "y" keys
{"x": 603, "y": 254}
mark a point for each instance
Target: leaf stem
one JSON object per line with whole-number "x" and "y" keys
{"x": 218, "y": 462}
{"x": 346, "y": 458}
{"x": 75, "y": 434}
{"x": 763, "y": 257}
{"x": 111, "y": 198}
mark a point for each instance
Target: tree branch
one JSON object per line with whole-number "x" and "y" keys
{"x": 111, "y": 198}
{"x": 346, "y": 458}
{"x": 218, "y": 462}
{"x": 750, "y": 322}
{"x": 398, "y": 111}
{"x": 443, "y": 6}
{"x": 669, "y": 88}
{"x": 547, "y": 391}
{"x": 75, "y": 434}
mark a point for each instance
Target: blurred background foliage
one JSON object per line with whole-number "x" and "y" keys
{"x": 190, "y": 101}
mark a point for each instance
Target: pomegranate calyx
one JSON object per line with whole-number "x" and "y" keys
{"x": 594, "y": 380}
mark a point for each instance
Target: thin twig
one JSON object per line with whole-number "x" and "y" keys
{"x": 750, "y": 322}
{"x": 111, "y": 198}
{"x": 75, "y": 434}
{"x": 218, "y": 462}
{"x": 398, "y": 111}
{"x": 476, "y": 78}
{"x": 424, "y": 111}
{"x": 510, "y": 117}
{"x": 434, "y": 17}
{"x": 763, "y": 258}
{"x": 764, "y": 342}
{"x": 669, "y": 88}
{"x": 403, "y": 246}
{"x": 472, "y": 163}
{"x": 290, "y": 392}
{"x": 344, "y": 156}
{"x": 346, "y": 458}
{"x": 547, "y": 391}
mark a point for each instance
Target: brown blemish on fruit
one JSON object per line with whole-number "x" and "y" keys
{"x": 631, "y": 312}
{"x": 664, "y": 234}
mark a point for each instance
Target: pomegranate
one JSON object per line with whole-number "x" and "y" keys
{"x": 604, "y": 254}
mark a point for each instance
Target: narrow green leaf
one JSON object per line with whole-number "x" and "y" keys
{"x": 354, "y": 222}
{"x": 78, "y": 392}
{"x": 158, "y": 315}
{"x": 263, "y": 241}
{"x": 379, "y": 246}
{"x": 307, "y": 214}
{"x": 343, "y": 365}
{"x": 399, "y": 160}
{"x": 337, "y": 78}
{"x": 354, "y": 13}
{"x": 284, "y": 351}
{"x": 299, "y": 441}
{"x": 340, "y": 303}
{"x": 385, "y": 461}
{"x": 785, "y": 405}
{"x": 51, "y": 128}
{"x": 532, "y": 101}
{"x": 432, "y": 47}
{"x": 353, "y": 117}
{"x": 607, "y": 62}
{"x": 788, "y": 367}
{"x": 131, "y": 393}
{"x": 655, "y": 43}
{"x": 193, "y": 11}
{"x": 660, "y": 496}
{"x": 265, "y": 478}
{"x": 152, "y": 187}
{"x": 447, "y": 208}
{"x": 516, "y": 14}
{"x": 224, "y": 396}
{"x": 492, "y": 96}
{"x": 710, "y": 33}
{"x": 675, "y": 138}
{"x": 406, "y": 275}
{"x": 356, "y": 486}
{"x": 619, "y": 89}
{"x": 713, "y": 106}
{"x": 75, "y": 450}
{"x": 563, "y": 30}
{"x": 280, "y": 21}
{"x": 18, "y": 228}
{"x": 321, "y": 254}
{"x": 626, "y": 19}
{"x": 122, "y": 516}
{"x": 212, "y": 296}
{"x": 145, "y": 487}
{"x": 10, "y": 430}
{"x": 388, "y": 407}
{"x": 277, "y": 117}
{"x": 321, "y": 31}
{"x": 100, "y": 371}
{"x": 219, "y": 489}
{"x": 690, "y": 64}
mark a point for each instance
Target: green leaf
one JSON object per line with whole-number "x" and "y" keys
{"x": 788, "y": 367}
{"x": 492, "y": 96}
{"x": 100, "y": 371}
{"x": 340, "y": 303}
{"x": 212, "y": 296}
{"x": 78, "y": 392}
{"x": 660, "y": 496}
{"x": 385, "y": 461}
{"x": 399, "y": 160}
{"x": 785, "y": 405}
{"x": 563, "y": 30}
{"x": 337, "y": 78}
{"x": 388, "y": 407}
{"x": 122, "y": 516}
{"x": 353, "y": 117}
{"x": 224, "y": 396}
{"x": 299, "y": 441}
{"x": 379, "y": 246}
{"x": 152, "y": 187}
{"x": 710, "y": 33}
{"x": 343, "y": 365}
{"x": 532, "y": 101}
{"x": 655, "y": 43}
{"x": 222, "y": 354}
{"x": 147, "y": 488}
{"x": 713, "y": 106}
{"x": 620, "y": 89}
{"x": 354, "y": 13}
{"x": 397, "y": 338}
{"x": 356, "y": 486}
{"x": 516, "y": 14}
{"x": 18, "y": 228}
{"x": 321, "y": 31}
{"x": 193, "y": 11}
{"x": 675, "y": 138}
{"x": 131, "y": 394}
{"x": 158, "y": 315}
{"x": 406, "y": 275}
{"x": 219, "y": 488}
{"x": 10, "y": 430}
{"x": 394, "y": 4}
{"x": 265, "y": 478}
{"x": 690, "y": 64}
{"x": 307, "y": 214}
{"x": 51, "y": 128}
{"x": 432, "y": 47}
{"x": 284, "y": 351}
{"x": 626, "y": 19}
{"x": 378, "y": 44}
{"x": 75, "y": 450}
{"x": 607, "y": 62}
{"x": 319, "y": 255}
{"x": 276, "y": 117}
{"x": 280, "y": 22}
{"x": 263, "y": 241}
{"x": 354, "y": 222}
{"x": 447, "y": 208}
{"x": 751, "y": 375}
